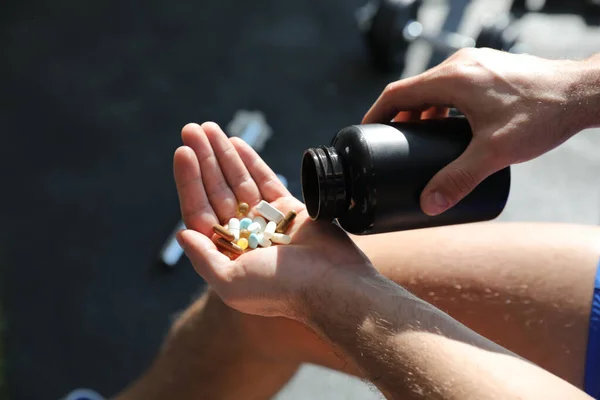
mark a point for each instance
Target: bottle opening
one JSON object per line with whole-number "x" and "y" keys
{"x": 310, "y": 183}
{"x": 323, "y": 184}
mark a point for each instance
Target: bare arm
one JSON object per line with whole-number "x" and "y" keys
{"x": 323, "y": 279}
{"x": 410, "y": 349}
{"x": 527, "y": 287}
{"x": 582, "y": 112}
{"x": 519, "y": 107}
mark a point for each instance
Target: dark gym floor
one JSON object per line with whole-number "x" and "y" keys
{"x": 94, "y": 97}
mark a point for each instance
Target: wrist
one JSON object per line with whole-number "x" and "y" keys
{"x": 582, "y": 93}
{"x": 345, "y": 298}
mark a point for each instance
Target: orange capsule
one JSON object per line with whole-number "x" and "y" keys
{"x": 224, "y": 233}
{"x": 242, "y": 209}
{"x": 228, "y": 246}
{"x": 285, "y": 222}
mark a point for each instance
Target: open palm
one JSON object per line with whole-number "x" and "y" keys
{"x": 213, "y": 173}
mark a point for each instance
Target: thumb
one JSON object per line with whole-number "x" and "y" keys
{"x": 208, "y": 262}
{"x": 455, "y": 181}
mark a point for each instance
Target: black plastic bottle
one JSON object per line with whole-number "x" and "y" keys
{"x": 371, "y": 177}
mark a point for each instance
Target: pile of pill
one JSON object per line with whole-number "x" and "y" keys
{"x": 243, "y": 233}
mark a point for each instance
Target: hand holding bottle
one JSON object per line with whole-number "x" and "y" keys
{"x": 519, "y": 107}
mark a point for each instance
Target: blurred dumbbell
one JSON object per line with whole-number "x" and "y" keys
{"x": 589, "y": 10}
{"x": 572, "y": 4}
{"x": 499, "y": 34}
{"x": 390, "y": 26}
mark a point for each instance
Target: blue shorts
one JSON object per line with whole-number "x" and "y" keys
{"x": 592, "y": 362}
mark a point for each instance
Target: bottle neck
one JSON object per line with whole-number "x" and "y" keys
{"x": 324, "y": 186}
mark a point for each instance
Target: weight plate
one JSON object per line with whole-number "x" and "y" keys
{"x": 385, "y": 40}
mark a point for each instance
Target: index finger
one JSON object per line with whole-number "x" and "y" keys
{"x": 195, "y": 208}
{"x": 431, "y": 88}
{"x": 268, "y": 183}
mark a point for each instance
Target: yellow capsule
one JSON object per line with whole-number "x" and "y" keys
{"x": 243, "y": 243}
{"x": 242, "y": 209}
{"x": 285, "y": 222}
{"x": 244, "y": 233}
{"x": 224, "y": 233}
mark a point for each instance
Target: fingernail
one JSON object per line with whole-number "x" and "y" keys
{"x": 436, "y": 203}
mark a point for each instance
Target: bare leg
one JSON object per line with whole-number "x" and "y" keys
{"x": 528, "y": 287}
{"x": 206, "y": 356}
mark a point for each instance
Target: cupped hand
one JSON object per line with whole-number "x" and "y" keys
{"x": 519, "y": 107}
{"x": 213, "y": 173}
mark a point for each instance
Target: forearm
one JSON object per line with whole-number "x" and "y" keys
{"x": 204, "y": 356}
{"x": 584, "y": 93}
{"x": 409, "y": 349}
{"x": 527, "y": 287}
